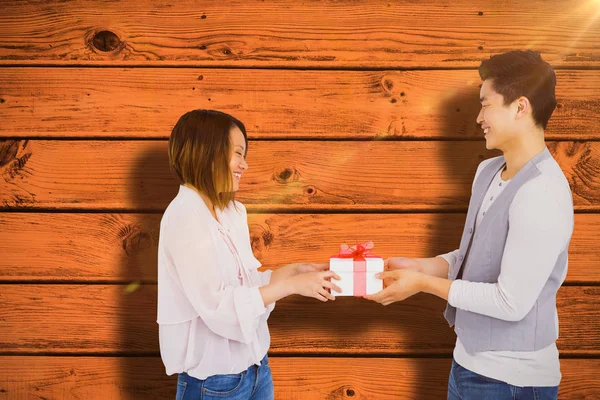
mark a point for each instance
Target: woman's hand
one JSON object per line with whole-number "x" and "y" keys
{"x": 290, "y": 270}
{"x": 315, "y": 284}
{"x": 302, "y": 268}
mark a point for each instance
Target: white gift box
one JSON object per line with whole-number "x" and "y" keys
{"x": 344, "y": 267}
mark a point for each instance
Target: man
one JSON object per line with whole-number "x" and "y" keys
{"x": 501, "y": 283}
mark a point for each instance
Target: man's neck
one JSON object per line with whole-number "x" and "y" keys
{"x": 520, "y": 153}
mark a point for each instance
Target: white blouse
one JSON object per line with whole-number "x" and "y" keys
{"x": 211, "y": 315}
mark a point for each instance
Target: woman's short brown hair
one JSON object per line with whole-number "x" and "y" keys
{"x": 200, "y": 151}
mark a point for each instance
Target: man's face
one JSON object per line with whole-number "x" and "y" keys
{"x": 496, "y": 119}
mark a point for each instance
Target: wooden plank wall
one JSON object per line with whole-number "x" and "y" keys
{"x": 361, "y": 117}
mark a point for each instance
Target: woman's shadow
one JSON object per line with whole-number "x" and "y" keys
{"x": 151, "y": 188}
{"x": 419, "y": 320}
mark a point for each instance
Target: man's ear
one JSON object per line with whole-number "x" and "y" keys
{"x": 523, "y": 107}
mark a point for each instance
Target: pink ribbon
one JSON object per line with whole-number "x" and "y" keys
{"x": 358, "y": 253}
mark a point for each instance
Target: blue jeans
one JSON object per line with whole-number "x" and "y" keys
{"x": 254, "y": 383}
{"x": 466, "y": 385}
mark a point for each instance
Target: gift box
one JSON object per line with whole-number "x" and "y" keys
{"x": 357, "y": 268}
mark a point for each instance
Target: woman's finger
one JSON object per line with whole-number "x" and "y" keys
{"x": 319, "y": 296}
{"x": 333, "y": 286}
{"x": 325, "y": 293}
{"x": 331, "y": 274}
{"x": 320, "y": 267}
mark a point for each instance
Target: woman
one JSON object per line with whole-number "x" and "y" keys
{"x": 213, "y": 304}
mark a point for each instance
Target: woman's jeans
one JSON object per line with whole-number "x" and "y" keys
{"x": 254, "y": 383}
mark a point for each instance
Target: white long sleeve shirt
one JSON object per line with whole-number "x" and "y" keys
{"x": 541, "y": 225}
{"x": 211, "y": 315}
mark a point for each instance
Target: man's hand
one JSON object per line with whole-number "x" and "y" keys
{"x": 404, "y": 283}
{"x": 395, "y": 263}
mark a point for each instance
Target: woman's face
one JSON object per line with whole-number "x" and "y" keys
{"x": 237, "y": 164}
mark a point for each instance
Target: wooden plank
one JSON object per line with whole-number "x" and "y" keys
{"x": 109, "y": 319}
{"x": 146, "y": 103}
{"x": 123, "y": 247}
{"x": 434, "y": 33}
{"x": 283, "y": 175}
{"x": 294, "y": 378}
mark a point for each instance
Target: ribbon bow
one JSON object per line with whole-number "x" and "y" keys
{"x": 358, "y": 254}
{"x": 361, "y": 250}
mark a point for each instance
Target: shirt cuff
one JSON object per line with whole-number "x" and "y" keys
{"x": 249, "y": 307}
{"x": 450, "y": 259}
{"x": 265, "y": 277}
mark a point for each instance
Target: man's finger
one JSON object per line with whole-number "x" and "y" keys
{"x": 384, "y": 275}
{"x": 377, "y": 296}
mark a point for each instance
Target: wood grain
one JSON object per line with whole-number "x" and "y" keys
{"x": 109, "y": 319}
{"x": 294, "y": 378}
{"x": 123, "y": 247}
{"x": 340, "y": 34}
{"x": 274, "y": 104}
{"x": 283, "y": 175}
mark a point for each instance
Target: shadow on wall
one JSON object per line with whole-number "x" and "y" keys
{"x": 152, "y": 187}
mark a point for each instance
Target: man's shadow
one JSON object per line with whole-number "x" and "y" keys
{"x": 422, "y": 334}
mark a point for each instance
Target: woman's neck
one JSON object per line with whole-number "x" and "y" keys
{"x": 206, "y": 200}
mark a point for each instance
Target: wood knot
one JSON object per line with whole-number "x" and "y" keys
{"x": 106, "y": 41}
{"x": 387, "y": 84}
{"x": 310, "y": 190}
{"x": 267, "y": 237}
{"x": 14, "y": 155}
{"x": 134, "y": 239}
{"x": 285, "y": 176}
{"x": 350, "y": 392}
{"x": 8, "y": 151}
